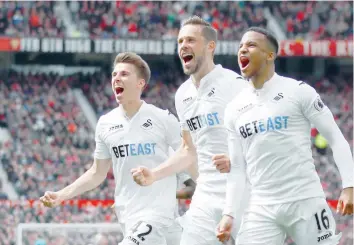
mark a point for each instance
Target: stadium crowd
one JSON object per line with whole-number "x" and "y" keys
{"x": 162, "y": 19}
{"x": 30, "y": 18}
{"x": 314, "y": 20}
{"x": 53, "y": 142}
{"x": 151, "y": 20}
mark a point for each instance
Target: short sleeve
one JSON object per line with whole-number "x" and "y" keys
{"x": 310, "y": 101}
{"x": 173, "y": 132}
{"x": 101, "y": 150}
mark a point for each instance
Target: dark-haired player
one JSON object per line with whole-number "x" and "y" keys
{"x": 269, "y": 142}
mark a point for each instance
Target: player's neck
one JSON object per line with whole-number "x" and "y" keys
{"x": 259, "y": 79}
{"x": 202, "y": 72}
{"x": 131, "y": 108}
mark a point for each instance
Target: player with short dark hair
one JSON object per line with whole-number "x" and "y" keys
{"x": 269, "y": 142}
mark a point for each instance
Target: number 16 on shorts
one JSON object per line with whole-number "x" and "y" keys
{"x": 323, "y": 225}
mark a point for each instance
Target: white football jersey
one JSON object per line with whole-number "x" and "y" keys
{"x": 201, "y": 112}
{"x": 273, "y": 124}
{"x": 144, "y": 140}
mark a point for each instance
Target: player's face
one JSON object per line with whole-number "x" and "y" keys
{"x": 192, "y": 48}
{"x": 126, "y": 84}
{"x": 252, "y": 53}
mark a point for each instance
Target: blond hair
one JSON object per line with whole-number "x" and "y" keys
{"x": 208, "y": 32}
{"x": 134, "y": 59}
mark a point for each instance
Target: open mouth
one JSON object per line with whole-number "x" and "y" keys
{"x": 119, "y": 90}
{"x": 187, "y": 58}
{"x": 244, "y": 62}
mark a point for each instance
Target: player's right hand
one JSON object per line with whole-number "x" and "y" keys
{"x": 143, "y": 176}
{"x": 345, "y": 202}
{"x": 51, "y": 199}
{"x": 223, "y": 231}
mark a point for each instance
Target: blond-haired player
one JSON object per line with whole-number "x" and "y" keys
{"x": 133, "y": 134}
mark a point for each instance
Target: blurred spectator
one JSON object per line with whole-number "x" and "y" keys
{"x": 3, "y": 195}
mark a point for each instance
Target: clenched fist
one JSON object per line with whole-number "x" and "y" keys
{"x": 222, "y": 163}
{"x": 223, "y": 231}
{"x": 143, "y": 176}
{"x": 51, "y": 199}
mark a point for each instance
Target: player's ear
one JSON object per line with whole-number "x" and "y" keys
{"x": 141, "y": 84}
{"x": 212, "y": 46}
{"x": 271, "y": 56}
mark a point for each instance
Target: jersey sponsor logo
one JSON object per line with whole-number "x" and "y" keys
{"x": 318, "y": 104}
{"x": 246, "y": 107}
{"x": 212, "y": 92}
{"x": 203, "y": 121}
{"x": 131, "y": 150}
{"x": 117, "y": 127}
{"x": 147, "y": 124}
{"x": 133, "y": 240}
{"x": 324, "y": 237}
{"x": 186, "y": 100}
{"x": 263, "y": 126}
{"x": 278, "y": 97}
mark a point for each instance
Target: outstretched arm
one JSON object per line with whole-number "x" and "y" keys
{"x": 92, "y": 178}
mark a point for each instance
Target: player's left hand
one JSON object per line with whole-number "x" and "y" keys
{"x": 222, "y": 163}
{"x": 345, "y": 202}
{"x": 223, "y": 231}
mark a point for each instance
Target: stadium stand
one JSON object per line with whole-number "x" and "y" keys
{"x": 52, "y": 141}
{"x": 153, "y": 20}
{"x": 314, "y": 20}
{"x": 162, "y": 19}
{"x": 30, "y": 19}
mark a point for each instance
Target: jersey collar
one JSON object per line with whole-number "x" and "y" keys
{"x": 212, "y": 75}
{"x": 122, "y": 112}
{"x": 268, "y": 85}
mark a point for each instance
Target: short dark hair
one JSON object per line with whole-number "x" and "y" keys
{"x": 268, "y": 34}
{"x": 209, "y": 33}
{"x": 136, "y": 60}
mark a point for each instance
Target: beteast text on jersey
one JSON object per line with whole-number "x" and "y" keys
{"x": 202, "y": 121}
{"x": 134, "y": 149}
{"x": 260, "y": 126}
